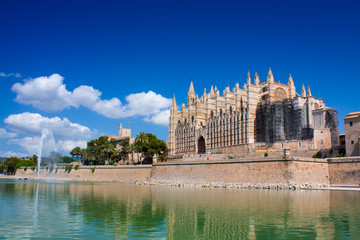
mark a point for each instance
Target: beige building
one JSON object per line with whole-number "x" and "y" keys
{"x": 352, "y": 134}
{"x": 260, "y": 115}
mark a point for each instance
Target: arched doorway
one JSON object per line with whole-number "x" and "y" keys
{"x": 201, "y": 145}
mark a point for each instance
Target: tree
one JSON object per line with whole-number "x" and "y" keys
{"x": 108, "y": 148}
{"x": 77, "y": 153}
{"x": 9, "y": 165}
{"x": 133, "y": 148}
{"x": 140, "y": 139}
{"x": 125, "y": 149}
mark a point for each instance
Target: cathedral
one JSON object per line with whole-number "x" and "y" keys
{"x": 262, "y": 115}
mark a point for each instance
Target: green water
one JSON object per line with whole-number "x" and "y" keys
{"x": 62, "y": 210}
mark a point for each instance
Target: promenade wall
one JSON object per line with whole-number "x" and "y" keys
{"x": 101, "y": 173}
{"x": 298, "y": 170}
{"x": 262, "y": 171}
{"x": 344, "y": 171}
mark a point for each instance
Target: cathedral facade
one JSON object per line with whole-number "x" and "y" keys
{"x": 260, "y": 115}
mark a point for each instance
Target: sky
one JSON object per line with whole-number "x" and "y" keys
{"x": 80, "y": 68}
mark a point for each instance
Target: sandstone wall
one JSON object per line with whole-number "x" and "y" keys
{"x": 101, "y": 173}
{"x": 344, "y": 171}
{"x": 267, "y": 171}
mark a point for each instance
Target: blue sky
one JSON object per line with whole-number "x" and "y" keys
{"x": 82, "y": 67}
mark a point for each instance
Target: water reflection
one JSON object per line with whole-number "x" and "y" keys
{"x": 122, "y": 211}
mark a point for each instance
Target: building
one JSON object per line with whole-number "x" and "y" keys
{"x": 260, "y": 115}
{"x": 352, "y": 134}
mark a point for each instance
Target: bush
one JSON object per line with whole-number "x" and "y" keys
{"x": 77, "y": 167}
{"x": 25, "y": 168}
{"x": 68, "y": 168}
{"x": 33, "y": 168}
{"x": 330, "y": 152}
{"x": 67, "y": 159}
{"x": 25, "y": 163}
{"x": 266, "y": 154}
{"x": 56, "y": 169}
{"x": 317, "y": 155}
{"x": 92, "y": 170}
{"x": 51, "y": 168}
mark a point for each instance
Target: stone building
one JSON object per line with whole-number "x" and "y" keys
{"x": 260, "y": 115}
{"x": 352, "y": 134}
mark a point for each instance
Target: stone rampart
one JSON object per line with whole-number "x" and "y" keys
{"x": 266, "y": 170}
{"x": 101, "y": 173}
{"x": 262, "y": 171}
{"x": 344, "y": 171}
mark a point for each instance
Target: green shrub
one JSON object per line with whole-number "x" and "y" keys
{"x": 51, "y": 168}
{"x": 77, "y": 167}
{"x": 47, "y": 167}
{"x": 317, "y": 155}
{"x": 230, "y": 157}
{"x": 33, "y": 168}
{"x": 266, "y": 154}
{"x": 25, "y": 168}
{"x": 92, "y": 170}
{"x": 24, "y": 163}
{"x": 56, "y": 169}
{"x": 330, "y": 151}
{"x": 68, "y": 168}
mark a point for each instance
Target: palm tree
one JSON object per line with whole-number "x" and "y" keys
{"x": 77, "y": 152}
{"x": 108, "y": 148}
{"x": 132, "y": 149}
{"x": 141, "y": 138}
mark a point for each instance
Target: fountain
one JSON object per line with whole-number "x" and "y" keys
{"x": 46, "y": 148}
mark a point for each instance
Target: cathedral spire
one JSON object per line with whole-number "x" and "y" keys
{"x": 248, "y": 78}
{"x": 309, "y": 92}
{"x": 256, "y": 79}
{"x": 290, "y": 81}
{"x": 173, "y": 105}
{"x": 270, "y": 76}
{"x": 303, "y": 91}
{"x": 212, "y": 93}
{"x": 191, "y": 89}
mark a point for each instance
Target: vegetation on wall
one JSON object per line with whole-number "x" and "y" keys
{"x": 101, "y": 151}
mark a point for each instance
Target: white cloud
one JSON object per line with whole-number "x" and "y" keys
{"x": 6, "y": 134}
{"x": 45, "y": 93}
{"x": 161, "y": 118}
{"x": 68, "y": 145}
{"x": 32, "y": 146}
{"x": 33, "y": 123}
{"x": 17, "y": 75}
{"x": 50, "y": 94}
{"x": 13, "y": 154}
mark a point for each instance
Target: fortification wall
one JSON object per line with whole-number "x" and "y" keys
{"x": 263, "y": 171}
{"x": 344, "y": 171}
{"x": 101, "y": 173}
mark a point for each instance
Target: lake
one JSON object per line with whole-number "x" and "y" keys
{"x": 84, "y": 210}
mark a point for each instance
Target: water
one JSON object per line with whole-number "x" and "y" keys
{"x": 47, "y": 147}
{"x": 62, "y": 210}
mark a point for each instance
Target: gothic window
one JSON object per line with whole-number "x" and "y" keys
{"x": 280, "y": 94}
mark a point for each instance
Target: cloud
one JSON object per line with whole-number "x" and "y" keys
{"x": 33, "y": 124}
{"x": 17, "y": 75}
{"x": 32, "y": 146}
{"x": 6, "y": 134}
{"x": 50, "y": 94}
{"x": 44, "y": 93}
{"x": 13, "y": 154}
{"x": 160, "y": 118}
{"x": 66, "y": 135}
